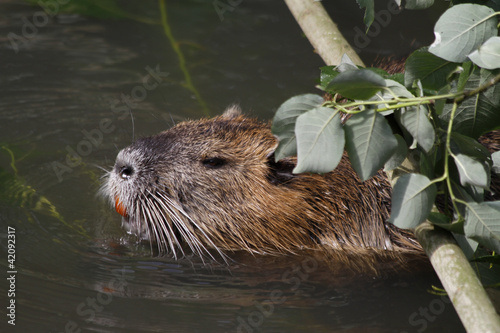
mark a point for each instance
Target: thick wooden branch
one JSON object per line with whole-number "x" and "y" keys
{"x": 321, "y": 32}
{"x": 466, "y": 292}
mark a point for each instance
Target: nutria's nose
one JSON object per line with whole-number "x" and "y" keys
{"x": 125, "y": 171}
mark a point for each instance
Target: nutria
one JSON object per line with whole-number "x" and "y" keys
{"x": 213, "y": 184}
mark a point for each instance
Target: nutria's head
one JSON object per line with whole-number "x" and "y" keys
{"x": 205, "y": 183}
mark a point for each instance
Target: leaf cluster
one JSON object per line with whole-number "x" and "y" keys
{"x": 432, "y": 115}
{"x": 369, "y": 6}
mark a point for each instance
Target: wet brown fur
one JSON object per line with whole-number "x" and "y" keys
{"x": 255, "y": 204}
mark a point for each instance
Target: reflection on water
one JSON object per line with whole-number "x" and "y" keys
{"x": 68, "y": 89}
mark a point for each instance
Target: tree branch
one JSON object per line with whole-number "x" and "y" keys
{"x": 459, "y": 280}
{"x": 321, "y": 32}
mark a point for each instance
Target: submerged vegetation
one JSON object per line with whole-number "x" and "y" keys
{"x": 16, "y": 192}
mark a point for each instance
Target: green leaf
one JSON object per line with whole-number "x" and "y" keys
{"x": 440, "y": 104}
{"x": 462, "y": 144}
{"x": 320, "y": 141}
{"x": 369, "y": 12}
{"x": 478, "y": 114}
{"x": 482, "y": 223}
{"x": 472, "y": 159}
{"x": 398, "y": 77}
{"x": 461, "y": 30}
{"x": 454, "y": 227}
{"x": 399, "y": 154}
{"x": 488, "y": 54}
{"x": 418, "y": 4}
{"x": 492, "y": 94}
{"x": 432, "y": 71}
{"x": 466, "y": 193}
{"x": 393, "y": 88}
{"x": 370, "y": 142}
{"x": 328, "y": 73}
{"x": 440, "y": 219}
{"x": 396, "y": 88}
{"x": 468, "y": 246}
{"x": 496, "y": 162}
{"x": 426, "y": 162}
{"x": 346, "y": 64}
{"x": 412, "y": 200}
{"x": 284, "y": 122}
{"x": 357, "y": 84}
{"x": 417, "y": 123}
{"x": 476, "y": 193}
{"x": 494, "y": 4}
{"x": 468, "y": 69}
{"x": 379, "y": 71}
{"x": 488, "y": 274}
{"x": 472, "y": 172}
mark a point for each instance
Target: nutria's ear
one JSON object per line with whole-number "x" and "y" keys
{"x": 232, "y": 111}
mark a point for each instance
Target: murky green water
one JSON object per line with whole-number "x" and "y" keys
{"x": 69, "y": 84}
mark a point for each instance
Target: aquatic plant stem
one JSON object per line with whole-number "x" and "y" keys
{"x": 322, "y": 32}
{"x": 180, "y": 56}
{"x": 12, "y": 159}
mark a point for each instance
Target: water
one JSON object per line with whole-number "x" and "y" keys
{"x": 68, "y": 88}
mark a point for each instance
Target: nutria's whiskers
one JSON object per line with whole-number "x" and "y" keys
{"x": 173, "y": 210}
{"x": 106, "y": 171}
{"x": 167, "y": 225}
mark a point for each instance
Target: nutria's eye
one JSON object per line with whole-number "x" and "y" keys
{"x": 214, "y": 162}
{"x": 126, "y": 172}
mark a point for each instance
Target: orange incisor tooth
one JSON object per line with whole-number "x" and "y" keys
{"x": 120, "y": 208}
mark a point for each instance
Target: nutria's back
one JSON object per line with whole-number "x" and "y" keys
{"x": 214, "y": 184}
